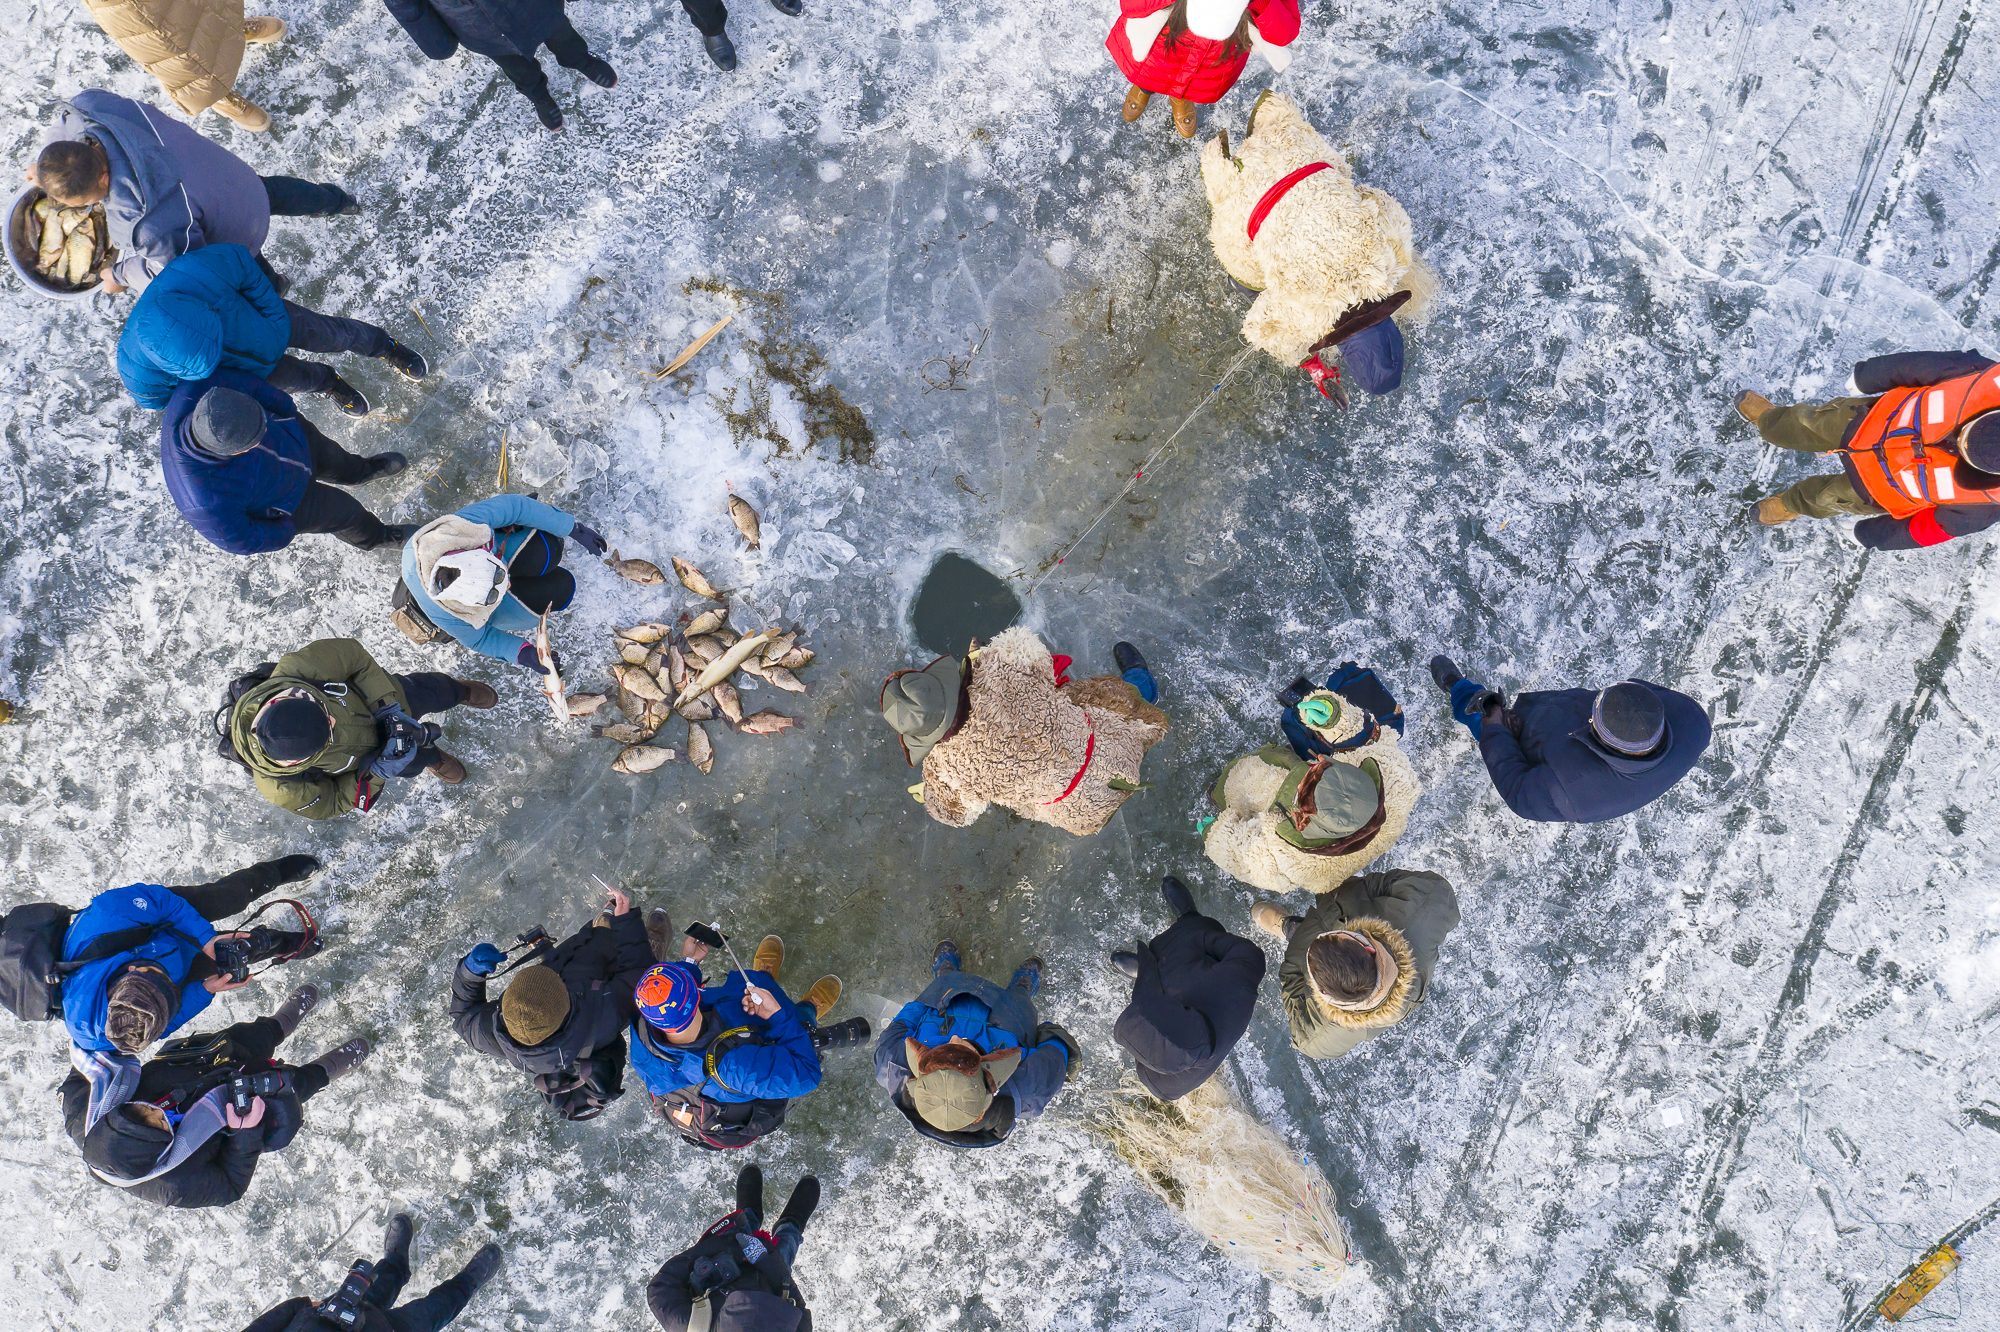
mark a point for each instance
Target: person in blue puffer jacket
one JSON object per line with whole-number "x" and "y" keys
{"x": 249, "y": 473}
{"x": 214, "y": 308}
{"x": 965, "y": 1061}
{"x": 486, "y": 574}
{"x": 724, "y": 1061}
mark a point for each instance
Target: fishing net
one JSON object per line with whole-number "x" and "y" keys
{"x": 1233, "y": 1179}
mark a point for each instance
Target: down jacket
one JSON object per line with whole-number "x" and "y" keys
{"x": 1325, "y": 246}
{"x": 342, "y": 678}
{"x": 1557, "y": 772}
{"x": 487, "y": 27}
{"x": 172, "y": 190}
{"x": 193, "y": 47}
{"x": 780, "y": 1065}
{"x": 1192, "y": 1001}
{"x": 1197, "y": 68}
{"x": 210, "y": 309}
{"x": 244, "y": 503}
{"x": 1025, "y": 742}
{"x": 511, "y": 623}
{"x": 85, "y": 991}
{"x": 1409, "y": 912}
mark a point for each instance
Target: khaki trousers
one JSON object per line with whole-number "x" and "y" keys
{"x": 1818, "y": 429}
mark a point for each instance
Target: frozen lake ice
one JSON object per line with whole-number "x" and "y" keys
{"x": 1724, "y": 1064}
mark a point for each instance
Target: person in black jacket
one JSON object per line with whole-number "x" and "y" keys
{"x": 1194, "y": 990}
{"x": 1579, "y": 755}
{"x": 507, "y": 32}
{"x": 433, "y": 1311}
{"x": 564, "y": 1018}
{"x": 171, "y": 1134}
{"x": 737, "y": 1277}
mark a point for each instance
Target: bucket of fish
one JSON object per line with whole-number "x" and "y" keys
{"x": 58, "y": 251}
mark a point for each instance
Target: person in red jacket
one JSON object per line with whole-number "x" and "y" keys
{"x": 1195, "y": 50}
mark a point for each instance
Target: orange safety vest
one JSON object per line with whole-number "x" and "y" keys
{"x": 1899, "y": 449}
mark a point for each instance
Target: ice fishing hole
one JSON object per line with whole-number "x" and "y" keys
{"x": 960, "y": 601}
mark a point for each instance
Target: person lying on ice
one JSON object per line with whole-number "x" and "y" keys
{"x": 1333, "y": 263}
{"x": 723, "y": 1062}
{"x": 966, "y": 1061}
{"x": 486, "y": 574}
{"x": 1578, "y": 755}
{"x": 1311, "y": 813}
{"x": 738, "y": 1277}
{"x": 563, "y": 1018}
{"x": 1919, "y": 455}
{"x": 169, "y": 1131}
{"x": 370, "y": 1309}
{"x": 1194, "y": 990}
{"x": 1007, "y": 726}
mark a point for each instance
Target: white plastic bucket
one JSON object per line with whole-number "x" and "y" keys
{"x": 22, "y": 257}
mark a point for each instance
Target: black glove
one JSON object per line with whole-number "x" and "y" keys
{"x": 531, "y": 659}
{"x": 1050, "y": 1031}
{"x": 588, "y": 538}
{"x": 1511, "y": 720}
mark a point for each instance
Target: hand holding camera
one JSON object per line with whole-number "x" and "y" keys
{"x": 231, "y": 955}
{"x": 238, "y": 1120}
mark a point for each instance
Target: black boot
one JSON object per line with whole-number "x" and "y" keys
{"x": 346, "y": 397}
{"x": 396, "y": 1240}
{"x": 854, "y": 1031}
{"x": 393, "y": 535}
{"x": 384, "y": 464}
{"x": 789, "y": 8}
{"x": 352, "y": 208}
{"x": 750, "y": 1191}
{"x": 406, "y": 362}
{"x": 546, "y": 110}
{"x": 720, "y": 49}
{"x": 480, "y": 1270}
{"x": 799, "y": 1207}
{"x": 598, "y": 72}
{"x": 1126, "y": 964}
{"x": 1445, "y": 672}
{"x": 1179, "y": 900}
{"x": 293, "y": 869}
{"x": 1128, "y": 658}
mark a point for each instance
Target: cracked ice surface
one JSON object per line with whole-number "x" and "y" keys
{"x": 1725, "y": 1064}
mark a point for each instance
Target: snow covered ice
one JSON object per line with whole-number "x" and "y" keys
{"x": 1724, "y": 1064}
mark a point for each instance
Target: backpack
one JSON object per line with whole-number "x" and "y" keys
{"x": 720, "y": 1125}
{"x": 408, "y": 616}
{"x": 231, "y": 696}
{"x": 31, "y": 965}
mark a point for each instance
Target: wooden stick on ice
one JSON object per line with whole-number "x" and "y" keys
{"x": 693, "y": 347}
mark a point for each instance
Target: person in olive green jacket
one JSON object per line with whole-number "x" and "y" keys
{"x": 324, "y": 729}
{"x": 1360, "y": 961}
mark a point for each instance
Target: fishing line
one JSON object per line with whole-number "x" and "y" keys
{"x": 1065, "y": 551}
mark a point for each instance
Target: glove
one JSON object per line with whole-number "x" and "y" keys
{"x": 529, "y": 658}
{"x": 1050, "y": 1031}
{"x": 588, "y": 538}
{"x": 483, "y": 960}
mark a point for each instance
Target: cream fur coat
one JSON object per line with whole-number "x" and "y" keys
{"x": 1244, "y": 843}
{"x": 1327, "y": 245}
{"x": 1024, "y": 739}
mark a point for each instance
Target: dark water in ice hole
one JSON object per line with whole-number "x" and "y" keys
{"x": 960, "y": 601}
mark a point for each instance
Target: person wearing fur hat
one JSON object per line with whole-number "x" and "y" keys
{"x": 738, "y": 1277}
{"x": 965, "y": 1061}
{"x": 1919, "y": 450}
{"x": 1579, "y": 755}
{"x": 488, "y": 573}
{"x": 563, "y": 1017}
{"x": 1297, "y": 817}
{"x": 1005, "y": 725}
{"x": 1194, "y": 989}
{"x": 1334, "y": 264}
{"x": 168, "y": 1132}
{"x": 1193, "y": 51}
{"x": 1360, "y": 960}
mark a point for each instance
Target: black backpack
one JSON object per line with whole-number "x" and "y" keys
{"x": 31, "y": 965}
{"x": 231, "y": 696}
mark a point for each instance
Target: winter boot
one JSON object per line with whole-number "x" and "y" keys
{"x": 854, "y": 1031}
{"x": 789, "y": 8}
{"x": 1135, "y": 103}
{"x": 1183, "y": 116}
{"x": 750, "y": 1191}
{"x": 1751, "y": 406}
{"x": 396, "y": 1240}
{"x": 394, "y": 535}
{"x": 480, "y": 1270}
{"x": 344, "y": 1059}
{"x": 1132, "y": 667}
{"x": 447, "y": 769}
{"x": 262, "y": 29}
{"x": 944, "y": 957}
{"x": 547, "y": 111}
{"x": 1126, "y": 963}
{"x": 799, "y": 1207}
{"x": 293, "y": 1011}
{"x": 1179, "y": 900}
{"x": 720, "y": 49}
{"x": 1772, "y": 510}
{"x": 405, "y": 362}
{"x": 352, "y": 208}
{"x": 823, "y": 995}
{"x": 247, "y": 115}
{"x": 1445, "y": 672}
{"x": 598, "y": 71}
{"x": 384, "y": 464}
{"x": 478, "y": 694}
{"x": 1031, "y": 972}
{"x": 660, "y": 934}
{"x": 1271, "y": 918}
{"x": 346, "y": 397}
{"x": 292, "y": 869}
{"x": 769, "y": 957}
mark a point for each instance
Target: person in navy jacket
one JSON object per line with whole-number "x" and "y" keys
{"x": 1579, "y": 755}
{"x": 1194, "y": 992}
{"x": 249, "y": 473}
{"x": 486, "y": 574}
{"x": 127, "y": 1000}
{"x": 965, "y": 1061}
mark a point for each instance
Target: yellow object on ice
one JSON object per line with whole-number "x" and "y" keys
{"x": 917, "y": 793}
{"x": 1938, "y": 1264}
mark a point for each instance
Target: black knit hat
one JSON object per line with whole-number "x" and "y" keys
{"x": 1629, "y": 718}
{"x": 292, "y": 729}
{"x": 227, "y": 423}
{"x": 1980, "y": 444}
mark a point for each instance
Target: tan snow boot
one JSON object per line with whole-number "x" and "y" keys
{"x": 823, "y": 995}
{"x": 1751, "y": 405}
{"x": 247, "y": 114}
{"x": 1183, "y": 116}
{"x": 1135, "y": 103}
{"x": 262, "y": 30}
{"x": 1772, "y": 510}
{"x": 769, "y": 957}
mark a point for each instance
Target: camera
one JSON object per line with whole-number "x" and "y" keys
{"x": 343, "y": 1308}
{"x": 234, "y": 956}
{"x": 246, "y": 1086}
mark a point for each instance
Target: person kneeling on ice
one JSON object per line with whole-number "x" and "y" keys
{"x": 724, "y": 1062}
{"x": 562, "y": 1018}
{"x": 1578, "y": 755}
{"x": 1360, "y": 960}
{"x": 738, "y": 1276}
{"x": 362, "y": 1303}
{"x": 1333, "y": 263}
{"x": 1920, "y": 454}
{"x": 1309, "y": 814}
{"x": 322, "y": 730}
{"x": 249, "y": 473}
{"x": 1193, "y": 993}
{"x": 486, "y": 574}
{"x": 1007, "y": 726}
{"x": 186, "y": 1128}
{"x": 966, "y": 1061}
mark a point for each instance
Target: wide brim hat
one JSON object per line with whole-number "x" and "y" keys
{"x": 921, "y": 705}
{"x": 949, "y": 1100}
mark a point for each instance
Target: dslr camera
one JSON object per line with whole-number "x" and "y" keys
{"x": 343, "y": 1308}
{"x": 234, "y": 956}
{"x": 246, "y": 1086}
